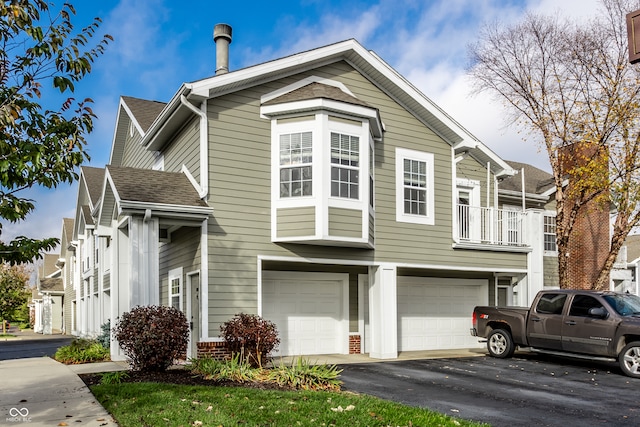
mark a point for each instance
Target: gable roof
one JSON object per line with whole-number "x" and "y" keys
{"x": 143, "y": 111}
{"x": 316, "y": 90}
{"x": 536, "y": 181}
{"x": 48, "y": 266}
{"x": 154, "y": 187}
{"x": 93, "y": 179}
{"x": 67, "y": 228}
{"x": 175, "y": 113}
{"x": 51, "y": 285}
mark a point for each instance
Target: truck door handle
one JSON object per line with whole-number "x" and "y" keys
{"x": 535, "y": 319}
{"x": 570, "y": 322}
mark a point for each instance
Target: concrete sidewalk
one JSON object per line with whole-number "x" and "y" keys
{"x": 42, "y": 392}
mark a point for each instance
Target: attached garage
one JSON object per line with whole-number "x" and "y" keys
{"x": 435, "y": 313}
{"x": 310, "y": 311}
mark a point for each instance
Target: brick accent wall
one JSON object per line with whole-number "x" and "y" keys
{"x": 354, "y": 344}
{"x": 588, "y": 247}
{"x": 215, "y": 350}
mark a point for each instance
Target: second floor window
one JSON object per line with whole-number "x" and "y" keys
{"x": 296, "y": 164}
{"x": 415, "y": 187}
{"x": 345, "y": 165}
{"x": 550, "y": 233}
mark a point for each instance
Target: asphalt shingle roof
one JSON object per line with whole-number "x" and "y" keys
{"x": 94, "y": 178}
{"x": 151, "y": 186}
{"x": 536, "y": 181}
{"x": 144, "y": 111}
{"x": 316, "y": 90}
{"x": 53, "y": 284}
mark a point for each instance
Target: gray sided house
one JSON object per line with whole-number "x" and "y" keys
{"x": 49, "y": 306}
{"x": 321, "y": 191}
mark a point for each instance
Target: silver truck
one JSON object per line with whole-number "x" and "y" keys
{"x": 584, "y": 324}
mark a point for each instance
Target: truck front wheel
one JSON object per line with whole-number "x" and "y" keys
{"x": 629, "y": 359}
{"x": 500, "y": 344}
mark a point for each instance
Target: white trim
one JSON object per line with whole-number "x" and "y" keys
{"x": 176, "y": 273}
{"x": 301, "y": 83}
{"x": 397, "y": 265}
{"x": 428, "y": 159}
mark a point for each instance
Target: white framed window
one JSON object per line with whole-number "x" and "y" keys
{"x": 296, "y": 164}
{"x": 175, "y": 288}
{"x": 550, "y": 238}
{"x": 414, "y": 187}
{"x": 345, "y": 166}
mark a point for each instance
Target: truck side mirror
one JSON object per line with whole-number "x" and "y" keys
{"x": 599, "y": 312}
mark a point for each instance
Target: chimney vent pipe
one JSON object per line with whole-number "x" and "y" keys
{"x": 222, "y": 39}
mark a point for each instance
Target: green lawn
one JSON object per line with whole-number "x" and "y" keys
{"x": 153, "y": 404}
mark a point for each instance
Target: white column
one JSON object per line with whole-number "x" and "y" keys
{"x": 383, "y": 312}
{"x": 143, "y": 246}
{"x": 535, "y": 268}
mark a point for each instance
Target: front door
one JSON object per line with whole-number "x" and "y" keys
{"x": 193, "y": 313}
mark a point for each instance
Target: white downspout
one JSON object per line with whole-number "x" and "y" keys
{"x": 204, "y": 145}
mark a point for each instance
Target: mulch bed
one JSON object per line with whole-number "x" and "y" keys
{"x": 177, "y": 376}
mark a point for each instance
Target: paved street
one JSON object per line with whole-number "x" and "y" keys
{"x": 523, "y": 391}
{"x": 29, "y": 344}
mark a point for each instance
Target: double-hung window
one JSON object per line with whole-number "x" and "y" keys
{"x": 296, "y": 168}
{"x": 345, "y": 166}
{"x": 414, "y": 187}
{"x": 550, "y": 233}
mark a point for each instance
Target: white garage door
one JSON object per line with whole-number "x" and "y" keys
{"x": 310, "y": 311}
{"x": 435, "y": 313}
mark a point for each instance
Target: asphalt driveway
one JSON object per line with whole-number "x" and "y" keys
{"x": 526, "y": 390}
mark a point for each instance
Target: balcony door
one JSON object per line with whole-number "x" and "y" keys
{"x": 469, "y": 215}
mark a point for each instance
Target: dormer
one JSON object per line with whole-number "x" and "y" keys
{"x": 322, "y": 145}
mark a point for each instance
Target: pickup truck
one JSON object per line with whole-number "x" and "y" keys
{"x": 585, "y": 324}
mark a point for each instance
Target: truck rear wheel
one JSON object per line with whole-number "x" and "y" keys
{"x": 629, "y": 359}
{"x": 500, "y": 344}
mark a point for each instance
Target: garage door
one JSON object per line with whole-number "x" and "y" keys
{"x": 435, "y": 313}
{"x": 310, "y": 311}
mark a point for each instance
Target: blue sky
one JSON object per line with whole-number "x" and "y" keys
{"x": 161, "y": 43}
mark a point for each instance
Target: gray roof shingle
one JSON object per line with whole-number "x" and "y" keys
{"x": 151, "y": 186}
{"x": 317, "y": 90}
{"x": 144, "y": 111}
{"x": 536, "y": 181}
{"x": 94, "y": 178}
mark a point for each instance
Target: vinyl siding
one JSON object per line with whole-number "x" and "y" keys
{"x": 550, "y": 271}
{"x": 185, "y": 150}
{"x": 240, "y": 193}
{"x": 296, "y": 222}
{"x": 345, "y": 222}
{"x": 135, "y": 155}
{"x": 470, "y": 169}
{"x": 183, "y": 251}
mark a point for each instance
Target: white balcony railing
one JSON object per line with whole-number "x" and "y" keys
{"x": 490, "y": 226}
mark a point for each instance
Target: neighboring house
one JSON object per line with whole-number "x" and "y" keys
{"x": 66, "y": 263}
{"x": 321, "y": 191}
{"x": 624, "y": 275}
{"x": 50, "y": 304}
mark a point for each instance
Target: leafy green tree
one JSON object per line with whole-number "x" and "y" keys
{"x": 40, "y": 51}
{"x": 13, "y": 290}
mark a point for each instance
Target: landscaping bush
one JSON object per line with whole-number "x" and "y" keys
{"x": 234, "y": 369}
{"x": 81, "y": 351}
{"x": 105, "y": 336}
{"x": 303, "y": 375}
{"x": 250, "y": 336}
{"x": 152, "y": 337}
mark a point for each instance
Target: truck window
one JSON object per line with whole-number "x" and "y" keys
{"x": 551, "y": 303}
{"x": 582, "y": 304}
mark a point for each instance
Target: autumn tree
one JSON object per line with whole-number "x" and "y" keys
{"x": 13, "y": 290}
{"x": 570, "y": 86}
{"x": 40, "y": 52}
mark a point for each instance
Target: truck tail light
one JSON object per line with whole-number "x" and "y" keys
{"x": 474, "y": 320}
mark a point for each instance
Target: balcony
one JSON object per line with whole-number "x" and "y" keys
{"x": 495, "y": 229}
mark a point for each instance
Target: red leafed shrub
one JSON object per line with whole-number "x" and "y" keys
{"x": 250, "y": 336}
{"x": 153, "y": 336}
